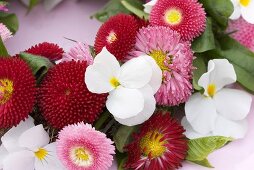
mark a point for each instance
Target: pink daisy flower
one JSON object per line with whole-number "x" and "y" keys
{"x": 5, "y": 33}
{"x": 81, "y": 147}
{"x": 244, "y": 32}
{"x": 173, "y": 56}
{"x": 80, "y": 52}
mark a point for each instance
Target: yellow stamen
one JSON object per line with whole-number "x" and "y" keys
{"x": 245, "y": 3}
{"x": 160, "y": 58}
{"x": 153, "y": 145}
{"x": 211, "y": 90}
{"x": 81, "y": 154}
{"x": 111, "y": 37}
{"x": 6, "y": 90}
{"x": 114, "y": 82}
{"x": 41, "y": 154}
{"x": 173, "y": 16}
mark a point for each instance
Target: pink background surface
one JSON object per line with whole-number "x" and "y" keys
{"x": 71, "y": 19}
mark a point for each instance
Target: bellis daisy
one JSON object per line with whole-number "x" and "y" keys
{"x": 80, "y": 52}
{"x": 64, "y": 98}
{"x": 118, "y": 35}
{"x": 219, "y": 111}
{"x": 160, "y": 144}
{"x": 17, "y": 91}
{"x": 30, "y": 149}
{"x": 5, "y": 33}
{"x": 131, "y": 87}
{"x": 242, "y": 32}
{"x": 174, "y": 58}
{"x": 187, "y": 17}
{"x": 244, "y": 8}
{"x": 81, "y": 147}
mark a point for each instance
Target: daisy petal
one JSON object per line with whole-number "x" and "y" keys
{"x": 10, "y": 139}
{"x": 34, "y": 138}
{"x": 237, "y": 105}
{"x": 3, "y": 154}
{"x": 97, "y": 78}
{"x": 51, "y": 162}
{"x": 22, "y": 160}
{"x": 146, "y": 113}
{"x": 156, "y": 79}
{"x": 247, "y": 12}
{"x": 125, "y": 103}
{"x": 220, "y": 73}
{"x": 136, "y": 73}
{"x": 201, "y": 113}
{"x": 190, "y": 132}
{"x": 228, "y": 128}
{"x": 237, "y": 10}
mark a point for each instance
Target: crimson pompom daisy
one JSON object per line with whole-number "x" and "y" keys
{"x": 118, "y": 35}
{"x": 173, "y": 56}
{"x": 49, "y": 50}
{"x": 17, "y": 91}
{"x": 160, "y": 144}
{"x": 243, "y": 32}
{"x": 184, "y": 16}
{"x": 64, "y": 98}
{"x": 81, "y": 147}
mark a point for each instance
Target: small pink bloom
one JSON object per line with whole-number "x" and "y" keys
{"x": 81, "y": 147}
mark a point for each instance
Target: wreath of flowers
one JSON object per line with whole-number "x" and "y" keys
{"x": 156, "y": 88}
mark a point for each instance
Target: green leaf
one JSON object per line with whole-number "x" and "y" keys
{"x": 32, "y": 4}
{"x": 135, "y": 9}
{"x": 102, "y": 119}
{"x": 200, "y": 148}
{"x": 123, "y": 136}
{"x": 39, "y": 65}
{"x": 10, "y": 20}
{"x": 121, "y": 158}
{"x": 206, "y": 41}
{"x": 3, "y": 50}
{"x": 220, "y": 10}
{"x": 200, "y": 66}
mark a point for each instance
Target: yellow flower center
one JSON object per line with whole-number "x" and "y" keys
{"x": 111, "y": 37}
{"x": 153, "y": 145}
{"x": 245, "y": 3}
{"x": 114, "y": 82}
{"x": 211, "y": 90}
{"x": 6, "y": 90}
{"x": 160, "y": 58}
{"x": 41, "y": 154}
{"x": 173, "y": 16}
{"x": 81, "y": 157}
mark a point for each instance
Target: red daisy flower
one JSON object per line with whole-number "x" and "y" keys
{"x": 160, "y": 144}
{"x": 49, "y": 50}
{"x": 184, "y": 16}
{"x": 118, "y": 34}
{"x": 64, "y": 98}
{"x": 17, "y": 91}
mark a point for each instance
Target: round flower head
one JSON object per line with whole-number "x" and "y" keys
{"x": 5, "y": 33}
{"x": 118, "y": 35}
{"x": 64, "y": 98}
{"x": 17, "y": 91}
{"x": 49, "y": 50}
{"x": 81, "y": 147}
{"x": 160, "y": 144}
{"x": 187, "y": 17}
{"x": 244, "y": 32}
{"x": 174, "y": 58}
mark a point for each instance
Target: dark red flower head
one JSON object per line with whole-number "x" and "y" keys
{"x": 160, "y": 144}
{"x": 49, "y": 50}
{"x": 118, "y": 34}
{"x": 17, "y": 91}
{"x": 64, "y": 98}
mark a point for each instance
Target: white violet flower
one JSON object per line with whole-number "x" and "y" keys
{"x": 219, "y": 111}
{"x": 131, "y": 87}
{"x": 26, "y": 147}
{"x": 244, "y": 8}
{"x": 149, "y": 5}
